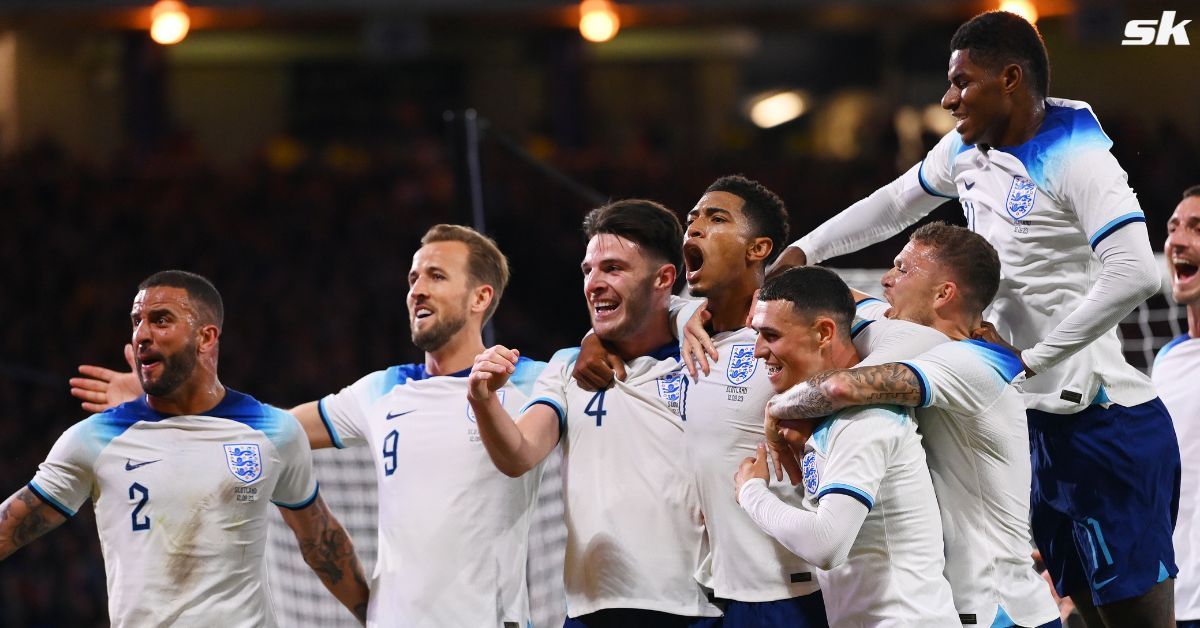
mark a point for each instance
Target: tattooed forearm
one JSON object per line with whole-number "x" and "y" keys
{"x": 328, "y": 550}
{"x": 23, "y": 518}
{"x": 830, "y": 391}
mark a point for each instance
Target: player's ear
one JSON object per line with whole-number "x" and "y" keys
{"x": 758, "y": 249}
{"x": 824, "y": 328}
{"x": 944, "y": 293}
{"x": 206, "y": 338}
{"x": 664, "y": 277}
{"x": 481, "y": 298}
{"x": 1011, "y": 77}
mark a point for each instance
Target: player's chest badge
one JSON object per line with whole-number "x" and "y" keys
{"x": 1021, "y": 196}
{"x": 245, "y": 461}
{"x": 742, "y": 364}
{"x": 471, "y": 412}
{"x": 809, "y": 467}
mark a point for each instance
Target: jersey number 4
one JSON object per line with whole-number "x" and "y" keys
{"x": 134, "y": 491}
{"x": 595, "y": 407}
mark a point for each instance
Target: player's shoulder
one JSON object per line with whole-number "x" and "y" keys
{"x": 1070, "y": 128}
{"x": 526, "y": 373}
{"x": 863, "y": 422}
{"x": 1000, "y": 359}
{"x": 277, "y": 424}
{"x": 1167, "y": 348}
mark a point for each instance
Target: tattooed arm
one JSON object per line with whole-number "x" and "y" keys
{"x": 23, "y": 518}
{"x": 329, "y": 552}
{"x": 830, "y": 391}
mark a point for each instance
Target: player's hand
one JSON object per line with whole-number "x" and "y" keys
{"x": 697, "y": 346}
{"x": 751, "y": 468}
{"x": 784, "y": 443}
{"x": 791, "y": 257}
{"x": 100, "y": 389}
{"x": 491, "y": 370}
{"x": 1065, "y": 606}
{"x": 987, "y": 332}
{"x": 595, "y": 367}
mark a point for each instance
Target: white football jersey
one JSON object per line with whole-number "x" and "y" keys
{"x": 181, "y": 505}
{"x": 724, "y": 425}
{"x": 1174, "y": 374}
{"x": 973, "y": 426}
{"x": 634, "y": 530}
{"x": 1045, "y": 205}
{"x": 453, "y": 530}
{"x": 893, "y": 575}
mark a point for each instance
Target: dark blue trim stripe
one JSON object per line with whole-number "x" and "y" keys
{"x": 1115, "y": 224}
{"x": 922, "y": 381}
{"x": 859, "y": 326}
{"x": 1170, "y": 345}
{"x": 852, "y": 491}
{"x": 50, "y": 501}
{"x": 925, "y": 186}
{"x": 865, "y": 300}
{"x": 301, "y": 505}
{"x": 337, "y": 442}
{"x": 562, "y": 414}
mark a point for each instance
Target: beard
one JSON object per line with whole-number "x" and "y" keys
{"x": 176, "y": 369}
{"x": 441, "y": 332}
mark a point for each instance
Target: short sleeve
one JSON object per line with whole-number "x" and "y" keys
{"x": 297, "y": 485}
{"x": 936, "y": 171}
{"x": 871, "y": 308}
{"x": 965, "y": 376}
{"x": 859, "y": 451}
{"x": 887, "y": 340}
{"x": 66, "y": 478}
{"x": 1096, "y": 188}
{"x": 550, "y": 389}
{"x": 344, "y": 413}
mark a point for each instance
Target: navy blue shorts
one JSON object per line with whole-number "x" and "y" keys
{"x": 805, "y": 611}
{"x": 637, "y": 618}
{"x": 1104, "y": 498}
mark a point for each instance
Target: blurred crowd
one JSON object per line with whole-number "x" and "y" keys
{"x": 310, "y": 247}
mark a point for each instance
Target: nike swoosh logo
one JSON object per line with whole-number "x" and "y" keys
{"x": 129, "y": 466}
{"x": 391, "y": 416}
{"x": 1096, "y": 586}
{"x": 970, "y": 185}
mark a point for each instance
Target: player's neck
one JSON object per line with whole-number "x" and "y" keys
{"x": 650, "y": 336}
{"x": 457, "y": 354}
{"x": 195, "y": 396}
{"x": 842, "y": 354}
{"x": 956, "y": 327}
{"x": 1193, "y": 313}
{"x": 1024, "y": 122}
{"x": 730, "y": 304}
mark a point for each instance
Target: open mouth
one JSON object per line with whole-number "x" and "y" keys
{"x": 604, "y": 307}
{"x": 1184, "y": 271}
{"x": 148, "y": 361}
{"x": 773, "y": 370}
{"x": 693, "y": 260}
{"x": 422, "y": 312}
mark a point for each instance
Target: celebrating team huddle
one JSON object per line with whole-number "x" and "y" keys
{"x": 776, "y": 450}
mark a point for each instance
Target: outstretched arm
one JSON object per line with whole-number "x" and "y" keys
{"x": 23, "y": 518}
{"x": 830, "y": 391}
{"x": 515, "y": 447}
{"x": 327, "y": 549}
{"x": 100, "y": 389}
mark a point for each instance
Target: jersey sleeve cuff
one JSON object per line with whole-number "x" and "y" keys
{"x": 301, "y": 505}
{"x": 923, "y": 382}
{"x": 554, "y": 405}
{"x": 852, "y": 491}
{"x": 50, "y": 501}
{"x": 333, "y": 435}
{"x": 1113, "y": 225}
{"x": 929, "y": 188}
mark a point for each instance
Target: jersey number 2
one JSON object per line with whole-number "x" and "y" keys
{"x": 134, "y": 490}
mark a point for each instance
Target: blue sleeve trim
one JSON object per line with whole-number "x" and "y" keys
{"x": 1115, "y": 224}
{"x": 860, "y": 325}
{"x": 333, "y": 436}
{"x": 925, "y": 185}
{"x": 1170, "y": 345}
{"x": 864, "y": 301}
{"x": 999, "y": 358}
{"x": 562, "y": 414}
{"x": 852, "y": 491}
{"x": 926, "y": 394}
{"x": 301, "y": 505}
{"x": 50, "y": 501}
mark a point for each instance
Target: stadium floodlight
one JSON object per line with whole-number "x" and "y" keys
{"x": 598, "y": 20}
{"x": 1024, "y": 8}
{"x": 169, "y": 22}
{"x": 772, "y": 109}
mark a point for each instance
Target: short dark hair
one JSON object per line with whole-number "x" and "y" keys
{"x": 485, "y": 263}
{"x": 1192, "y": 191}
{"x": 813, "y": 291}
{"x": 998, "y": 38}
{"x": 972, "y": 260}
{"x": 766, "y": 211}
{"x": 200, "y": 291}
{"x": 653, "y": 227}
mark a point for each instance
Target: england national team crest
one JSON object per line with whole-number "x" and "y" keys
{"x": 471, "y": 411}
{"x": 809, "y": 466}
{"x": 1020, "y": 197}
{"x": 245, "y": 461}
{"x": 670, "y": 389}
{"x": 742, "y": 364}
